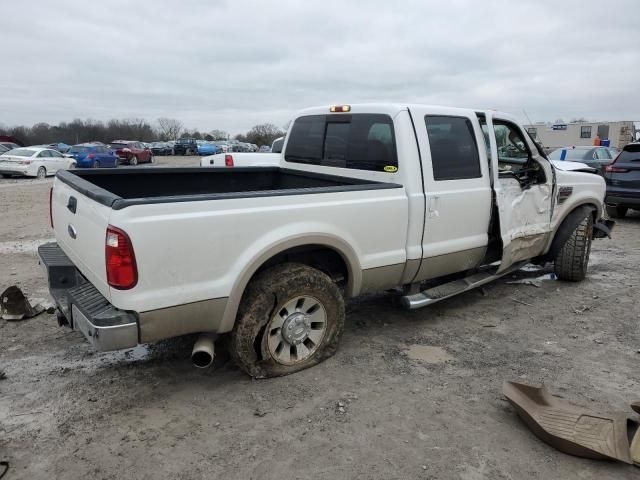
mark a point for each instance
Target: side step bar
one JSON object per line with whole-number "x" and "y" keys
{"x": 448, "y": 290}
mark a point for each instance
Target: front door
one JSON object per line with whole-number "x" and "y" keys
{"x": 457, "y": 190}
{"x": 523, "y": 183}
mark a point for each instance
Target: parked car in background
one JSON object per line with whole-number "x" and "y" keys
{"x": 264, "y": 149}
{"x": 185, "y": 146}
{"x": 61, "y": 147}
{"x": 33, "y": 162}
{"x": 90, "y": 155}
{"x": 622, "y": 177}
{"x": 276, "y": 146}
{"x": 131, "y": 152}
{"x": 595, "y": 157}
{"x": 161, "y": 148}
{"x": 10, "y": 145}
{"x": 208, "y": 148}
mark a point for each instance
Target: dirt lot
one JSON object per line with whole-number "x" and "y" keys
{"x": 409, "y": 411}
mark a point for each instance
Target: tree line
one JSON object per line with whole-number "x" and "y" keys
{"x": 81, "y": 131}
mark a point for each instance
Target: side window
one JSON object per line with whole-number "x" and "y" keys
{"x": 513, "y": 152}
{"x": 533, "y": 132}
{"x": 55, "y": 154}
{"x": 454, "y": 151}
{"x": 44, "y": 154}
{"x": 602, "y": 154}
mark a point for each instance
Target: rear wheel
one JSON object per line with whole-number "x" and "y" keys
{"x": 116, "y": 162}
{"x": 42, "y": 173}
{"x": 291, "y": 317}
{"x": 616, "y": 211}
{"x": 96, "y": 164}
{"x": 133, "y": 160}
{"x": 572, "y": 260}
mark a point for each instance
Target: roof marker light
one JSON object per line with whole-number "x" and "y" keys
{"x": 340, "y": 108}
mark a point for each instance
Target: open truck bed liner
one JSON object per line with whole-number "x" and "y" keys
{"x": 123, "y": 187}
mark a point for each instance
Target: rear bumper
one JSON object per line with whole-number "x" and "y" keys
{"x": 84, "y": 307}
{"x": 14, "y": 170}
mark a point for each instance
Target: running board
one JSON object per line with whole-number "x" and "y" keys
{"x": 448, "y": 290}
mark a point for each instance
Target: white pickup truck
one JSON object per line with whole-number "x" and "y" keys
{"x": 425, "y": 201}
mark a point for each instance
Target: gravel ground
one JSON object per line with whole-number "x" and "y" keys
{"x": 408, "y": 395}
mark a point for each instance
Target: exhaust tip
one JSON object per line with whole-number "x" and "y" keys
{"x": 203, "y": 352}
{"x": 201, "y": 359}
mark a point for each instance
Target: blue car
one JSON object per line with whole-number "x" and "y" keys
{"x": 205, "y": 148}
{"x": 90, "y": 155}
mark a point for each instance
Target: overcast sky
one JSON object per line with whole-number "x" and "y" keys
{"x": 233, "y": 64}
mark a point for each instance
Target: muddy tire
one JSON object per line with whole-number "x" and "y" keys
{"x": 572, "y": 260}
{"x": 291, "y": 317}
{"x": 615, "y": 211}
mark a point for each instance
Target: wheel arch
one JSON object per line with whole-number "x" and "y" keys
{"x": 280, "y": 252}
{"x": 568, "y": 223}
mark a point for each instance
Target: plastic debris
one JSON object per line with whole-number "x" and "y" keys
{"x": 15, "y": 305}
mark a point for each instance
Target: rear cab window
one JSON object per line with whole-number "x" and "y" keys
{"x": 360, "y": 141}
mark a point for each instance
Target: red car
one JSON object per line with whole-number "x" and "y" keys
{"x": 131, "y": 152}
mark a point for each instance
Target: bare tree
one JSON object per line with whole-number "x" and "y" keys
{"x": 263, "y": 134}
{"x": 169, "y": 128}
{"x": 219, "y": 134}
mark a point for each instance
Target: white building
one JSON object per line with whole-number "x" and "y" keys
{"x": 555, "y": 135}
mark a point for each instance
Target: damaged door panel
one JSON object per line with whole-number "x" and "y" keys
{"x": 523, "y": 185}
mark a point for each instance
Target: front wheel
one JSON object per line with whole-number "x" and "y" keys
{"x": 133, "y": 160}
{"x": 42, "y": 173}
{"x": 616, "y": 211}
{"x": 572, "y": 260}
{"x": 291, "y": 317}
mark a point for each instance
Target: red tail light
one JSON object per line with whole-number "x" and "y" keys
{"x": 228, "y": 160}
{"x": 90, "y": 156}
{"x": 122, "y": 272}
{"x": 51, "y": 206}
{"x": 610, "y": 168}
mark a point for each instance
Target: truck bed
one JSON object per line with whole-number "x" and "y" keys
{"x": 122, "y": 187}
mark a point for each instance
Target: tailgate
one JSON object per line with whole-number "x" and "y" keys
{"x": 80, "y": 226}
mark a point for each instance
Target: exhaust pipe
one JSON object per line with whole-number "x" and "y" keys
{"x": 203, "y": 352}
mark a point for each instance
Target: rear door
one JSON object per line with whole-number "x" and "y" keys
{"x": 523, "y": 183}
{"x": 457, "y": 189}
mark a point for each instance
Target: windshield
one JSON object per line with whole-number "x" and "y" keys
{"x": 569, "y": 154}
{"x": 20, "y": 152}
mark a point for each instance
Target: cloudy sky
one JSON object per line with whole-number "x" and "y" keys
{"x": 233, "y": 64}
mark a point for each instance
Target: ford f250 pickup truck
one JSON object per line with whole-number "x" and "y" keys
{"x": 426, "y": 202}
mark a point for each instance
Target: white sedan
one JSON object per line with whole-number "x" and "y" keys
{"x": 33, "y": 162}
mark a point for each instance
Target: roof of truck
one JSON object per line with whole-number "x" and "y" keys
{"x": 393, "y": 109}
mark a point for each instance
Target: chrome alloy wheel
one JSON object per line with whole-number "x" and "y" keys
{"x": 296, "y": 330}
